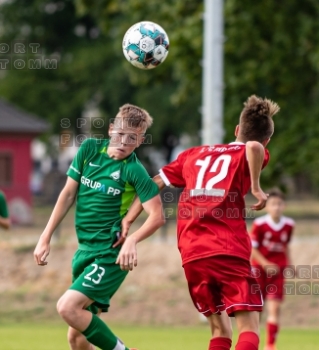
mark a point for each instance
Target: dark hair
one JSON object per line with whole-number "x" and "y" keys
{"x": 255, "y": 122}
{"x": 276, "y": 192}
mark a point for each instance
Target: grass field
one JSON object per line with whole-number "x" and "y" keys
{"x": 29, "y": 294}
{"x": 53, "y": 337}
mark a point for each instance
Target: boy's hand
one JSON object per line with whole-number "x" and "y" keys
{"x": 125, "y": 228}
{"x": 271, "y": 268}
{"x": 261, "y": 197}
{"x": 127, "y": 258}
{"x": 42, "y": 250}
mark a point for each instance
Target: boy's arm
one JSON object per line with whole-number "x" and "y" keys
{"x": 288, "y": 255}
{"x": 255, "y": 153}
{"x": 135, "y": 210}
{"x": 261, "y": 260}
{"x": 288, "y": 250}
{"x": 62, "y": 206}
{"x": 256, "y": 236}
{"x": 5, "y": 222}
{"x": 127, "y": 258}
{"x": 4, "y": 215}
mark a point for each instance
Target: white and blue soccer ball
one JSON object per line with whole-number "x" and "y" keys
{"x": 145, "y": 45}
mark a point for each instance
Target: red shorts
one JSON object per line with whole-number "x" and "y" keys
{"x": 221, "y": 283}
{"x": 271, "y": 284}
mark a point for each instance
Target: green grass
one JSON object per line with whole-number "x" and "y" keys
{"x": 53, "y": 337}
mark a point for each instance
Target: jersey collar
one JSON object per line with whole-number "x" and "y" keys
{"x": 236, "y": 143}
{"x": 276, "y": 226}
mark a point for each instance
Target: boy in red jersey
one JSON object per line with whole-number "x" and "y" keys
{"x": 270, "y": 236}
{"x": 212, "y": 235}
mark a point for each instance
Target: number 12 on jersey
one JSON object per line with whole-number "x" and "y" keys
{"x": 208, "y": 189}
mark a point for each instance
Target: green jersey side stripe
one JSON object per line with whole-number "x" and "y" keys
{"x": 127, "y": 198}
{"x": 107, "y": 188}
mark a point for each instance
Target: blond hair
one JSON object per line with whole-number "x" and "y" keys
{"x": 133, "y": 117}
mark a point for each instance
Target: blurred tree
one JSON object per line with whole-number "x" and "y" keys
{"x": 92, "y": 69}
{"x": 271, "y": 49}
{"x": 62, "y": 93}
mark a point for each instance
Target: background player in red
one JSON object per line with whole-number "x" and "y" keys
{"x": 270, "y": 236}
{"x": 212, "y": 235}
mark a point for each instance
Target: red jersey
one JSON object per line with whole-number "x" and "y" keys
{"x": 211, "y": 209}
{"x": 272, "y": 238}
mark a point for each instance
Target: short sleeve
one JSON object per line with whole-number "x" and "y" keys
{"x": 144, "y": 186}
{"x": 290, "y": 233}
{"x": 3, "y": 206}
{"x": 172, "y": 173}
{"x": 266, "y": 158}
{"x": 255, "y": 236}
{"x": 76, "y": 167}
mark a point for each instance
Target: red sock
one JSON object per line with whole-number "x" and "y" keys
{"x": 220, "y": 344}
{"x": 247, "y": 341}
{"x": 272, "y": 330}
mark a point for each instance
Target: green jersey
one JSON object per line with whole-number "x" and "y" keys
{"x": 107, "y": 188}
{"x": 3, "y": 206}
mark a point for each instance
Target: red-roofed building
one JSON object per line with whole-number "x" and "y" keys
{"x": 17, "y": 129}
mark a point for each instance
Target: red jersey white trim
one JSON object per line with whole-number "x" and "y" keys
{"x": 211, "y": 209}
{"x": 272, "y": 238}
{"x": 276, "y": 226}
{"x": 164, "y": 178}
{"x": 236, "y": 143}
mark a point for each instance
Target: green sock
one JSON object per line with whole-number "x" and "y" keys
{"x": 99, "y": 334}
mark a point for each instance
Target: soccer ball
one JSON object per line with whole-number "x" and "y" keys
{"x": 145, "y": 45}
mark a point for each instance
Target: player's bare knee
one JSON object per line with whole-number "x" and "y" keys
{"x": 64, "y": 308}
{"x": 59, "y": 305}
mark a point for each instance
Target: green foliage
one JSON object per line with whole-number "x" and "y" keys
{"x": 93, "y": 69}
{"x": 271, "y": 49}
{"x": 57, "y": 93}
